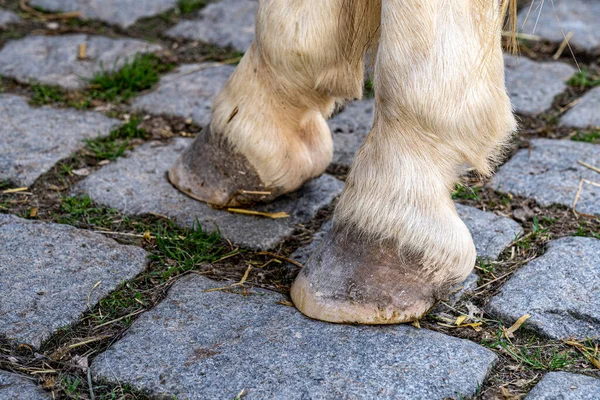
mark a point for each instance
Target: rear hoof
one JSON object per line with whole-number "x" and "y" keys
{"x": 352, "y": 279}
{"x": 212, "y": 172}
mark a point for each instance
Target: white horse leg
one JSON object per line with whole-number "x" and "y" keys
{"x": 398, "y": 244}
{"x": 268, "y": 130}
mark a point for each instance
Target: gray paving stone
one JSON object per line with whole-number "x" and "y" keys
{"x": 549, "y": 173}
{"x": 586, "y": 113}
{"x": 211, "y": 345}
{"x": 7, "y": 18}
{"x": 53, "y": 59}
{"x": 16, "y": 387}
{"x": 491, "y": 233}
{"x": 350, "y": 128}
{"x": 565, "y": 386}
{"x": 47, "y": 272}
{"x": 118, "y": 12}
{"x": 138, "y": 184}
{"x": 532, "y": 86}
{"x": 224, "y": 23}
{"x": 560, "y": 289}
{"x": 558, "y": 16}
{"x": 33, "y": 140}
{"x": 188, "y": 92}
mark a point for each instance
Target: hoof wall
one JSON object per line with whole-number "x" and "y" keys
{"x": 215, "y": 174}
{"x": 353, "y": 280}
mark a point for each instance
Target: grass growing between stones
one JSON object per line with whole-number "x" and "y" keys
{"x": 4, "y": 204}
{"x": 582, "y": 231}
{"x": 117, "y": 86}
{"x": 10, "y": 35}
{"x": 187, "y": 7}
{"x": 82, "y": 210}
{"x": 107, "y": 149}
{"x": 138, "y": 74}
{"x": 119, "y": 141}
{"x": 69, "y": 380}
{"x": 369, "y": 89}
{"x": 546, "y": 124}
{"x": 531, "y": 353}
{"x": 60, "y": 365}
{"x": 524, "y": 358}
{"x": 44, "y": 94}
{"x": 465, "y": 192}
{"x": 173, "y": 252}
{"x": 584, "y": 79}
{"x": 592, "y": 136}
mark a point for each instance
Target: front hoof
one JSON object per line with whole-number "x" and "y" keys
{"x": 353, "y": 279}
{"x": 212, "y": 172}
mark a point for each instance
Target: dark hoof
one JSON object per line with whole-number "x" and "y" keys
{"x": 210, "y": 171}
{"x": 351, "y": 279}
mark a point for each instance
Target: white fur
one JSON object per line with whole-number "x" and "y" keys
{"x": 440, "y": 102}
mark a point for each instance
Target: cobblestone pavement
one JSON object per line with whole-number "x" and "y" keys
{"x": 115, "y": 285}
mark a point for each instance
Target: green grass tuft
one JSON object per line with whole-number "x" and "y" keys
{"x": 369, "y": 89}
{"x": 136, "y": 75}
{"x": 188, "y": 250}
{"x": 176, "y": 251}
{"x": 70, "y": 384}
{"x": 190, "y": 6}
{"x": 107, "y": 150}
{"x": 538, "y": 233}
{"x": 129, "y": 131}
{"x": 584, "y": 79}
{"x": 582, "y": 231}
{"x": 466, "y": 192}
{"x": 11, "y": 35}
{"x": 4, "y": 204}
{"x": 485, "y": 265}
{"x": 589, "y": 137}
{"x": 531, "y": 355}
{"x": 44, "y": 94}
{"x": 117, "y": 143}
{"x": 82, "y": 209}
